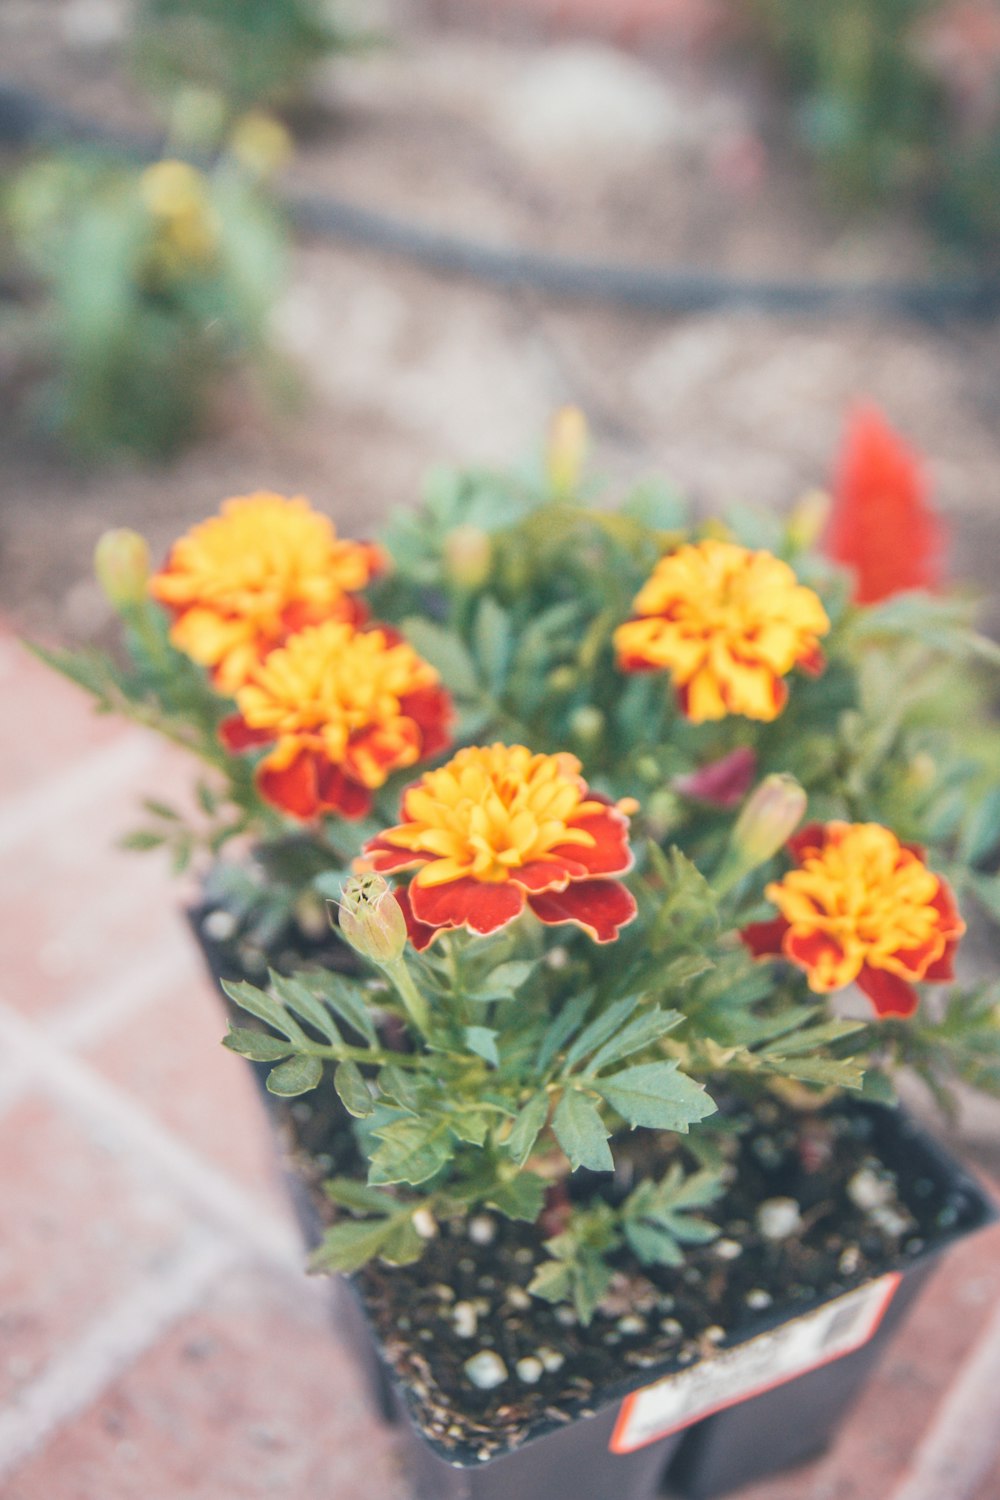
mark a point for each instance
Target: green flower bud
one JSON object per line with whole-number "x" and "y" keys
{"x": 371, "y": 920}
{"x": 587, "y": 724}
{"x": 808, "y": 520}
{"x": 566, "y": 451}
{"x": 468, "y": 556}
{"x": 121, "y": 563}
{"x": 767, "y": 821}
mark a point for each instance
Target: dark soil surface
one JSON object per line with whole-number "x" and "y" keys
{"x": 869, "y": 1197}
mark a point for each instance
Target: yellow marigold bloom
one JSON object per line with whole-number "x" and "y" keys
{"x": 176, "y": 196}
{"x": 861, "y": 908}
{"x": 241, "y": 582}
{"x": 344, "y": 708}
{"x": 728, "y": 624}
{"x": 499, "y": 828}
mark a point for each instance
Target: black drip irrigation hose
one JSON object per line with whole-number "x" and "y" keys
{"x": 27, "y": 119}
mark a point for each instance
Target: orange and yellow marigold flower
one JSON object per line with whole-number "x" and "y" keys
{"x": 499, "y": 828}
{"x": 343, "y": 709}
{"x": 243, "y": 581}
{"x": 861, "y": 908}
{"x": 728, "y": 624}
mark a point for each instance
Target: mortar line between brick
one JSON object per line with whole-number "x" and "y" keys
{"x": 92, "y": 1015}
{"x": 79, "y": 1087}
{"x": 76, "y": 1378}
{"x": 60, "y": 794}
{"x": 963, "y": 1439}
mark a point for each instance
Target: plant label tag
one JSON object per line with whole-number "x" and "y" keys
{"x": 837, "y": 1328}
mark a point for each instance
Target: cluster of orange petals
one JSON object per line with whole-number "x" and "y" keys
{"x": 882, "y": 526}
{"x": 728, "y": 624}
{"x": 860, "y": 907}
{"x": 244, "y": 581}
{"x": 499, "y": 829}
{"x": 343, "y": 708}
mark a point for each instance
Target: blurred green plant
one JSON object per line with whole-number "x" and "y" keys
{"x": 879, "y": 110}
{"x": 156, "y": 281}
{"x": 254, "y": 52}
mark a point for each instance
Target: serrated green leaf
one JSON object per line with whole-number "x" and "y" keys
{"x": 141, "y": 840}
{"x": 403, "y": 1246}
{"x": 348, "y": 1246}
{"x": 521, "y": 1141}
{"x": 445, "y": 652}
{"x": 482, "y": 1040}
{"x": 553, "y": 1282}
{"x": 409, "y": 1151}
{"x": 352, "y": 1090}
{"x": 605, "y": 1024}
{"x": 258, "y": 1046}
{"x": 248, "y": 997}
{"x": 347, "y": 1000}
{"x": 492, "y": 639}
{"x": 582, "y": 1133}
{"x": 359, "y": 1198}
{"x": 296, "y": 1076}
{"x": 656, "y": 1095}
{"x": 400, "y": 1085}
{"x": 641, "y": 1032}
{"x": 503, "y": 982}
{"x": 294, "y": 995}
{"x": 469, "y": 1125}
{"x": 562, "y": 1027}
{"x": 521, "y": 1198}
{"x": 826, "y": 1071}
{"x": 652, "y": 1243}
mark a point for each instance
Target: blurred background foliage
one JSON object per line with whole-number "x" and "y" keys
{"x": 153, "y": 283}
{"x": 898, "y": 98}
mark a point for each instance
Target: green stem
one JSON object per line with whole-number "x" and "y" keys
{"x": 361, "y": 1055}
{"x": 416, "y": 1006}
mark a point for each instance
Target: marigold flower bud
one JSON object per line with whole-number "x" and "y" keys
{"x": 121, "y": 563}
{"x": 566, "y": 451}
{"x": 260, "y": 143}
{"x": 587, "y": 724}
{"x": 767, "y": 821}
{"x": 468, "y": 556}
{"x": 808, "y": 520}
{"x": 371, "y": 919}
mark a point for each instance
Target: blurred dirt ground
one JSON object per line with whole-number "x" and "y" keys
{"x": 480, "y": 121}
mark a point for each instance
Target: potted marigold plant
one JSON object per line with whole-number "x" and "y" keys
{"x": 651, "y": 849}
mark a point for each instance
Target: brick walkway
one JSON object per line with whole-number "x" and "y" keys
{"x": 157, "y": 1338}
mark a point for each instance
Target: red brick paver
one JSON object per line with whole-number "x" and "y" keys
{"x": 157, "y": 1336}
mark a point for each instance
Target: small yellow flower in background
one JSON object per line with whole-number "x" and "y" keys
{"x": 861, "y": 908}
{"x": 176, "y": 196}
{"x": 343, "y": 708}
{"x": 241, "y": 582}
{"x": 728, "y": 624}
{"x": 260, "y": 143}
{"x": 121, "y": 564}
{"x": 566, "y": 451}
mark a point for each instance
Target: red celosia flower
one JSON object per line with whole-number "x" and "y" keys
{"x": 882, "y": 526}
{"x": 861, "y": 908}
{"x": 343, "y": 708}
{"x": 499, "y": 828}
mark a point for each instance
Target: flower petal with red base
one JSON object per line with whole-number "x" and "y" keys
{"x": 431, "y": 709}
{"x": 810, "y": 839}
{"x": 292, "y": 787}
{"x": 467, "y": 903}
{"x": 236, "y": 735}
{"x": 890, "y": 995}
{"x": 609, "y": 854}
{"x": 765, "y": 939}
{"x": 384, "y": 857}
{"x": 420, "y": 935}
{"x": 600, "y": 907}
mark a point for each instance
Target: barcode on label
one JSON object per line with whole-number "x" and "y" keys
{"x": 835, "y": 1329}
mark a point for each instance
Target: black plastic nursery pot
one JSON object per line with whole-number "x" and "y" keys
{"x": 769, "y": 1394}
